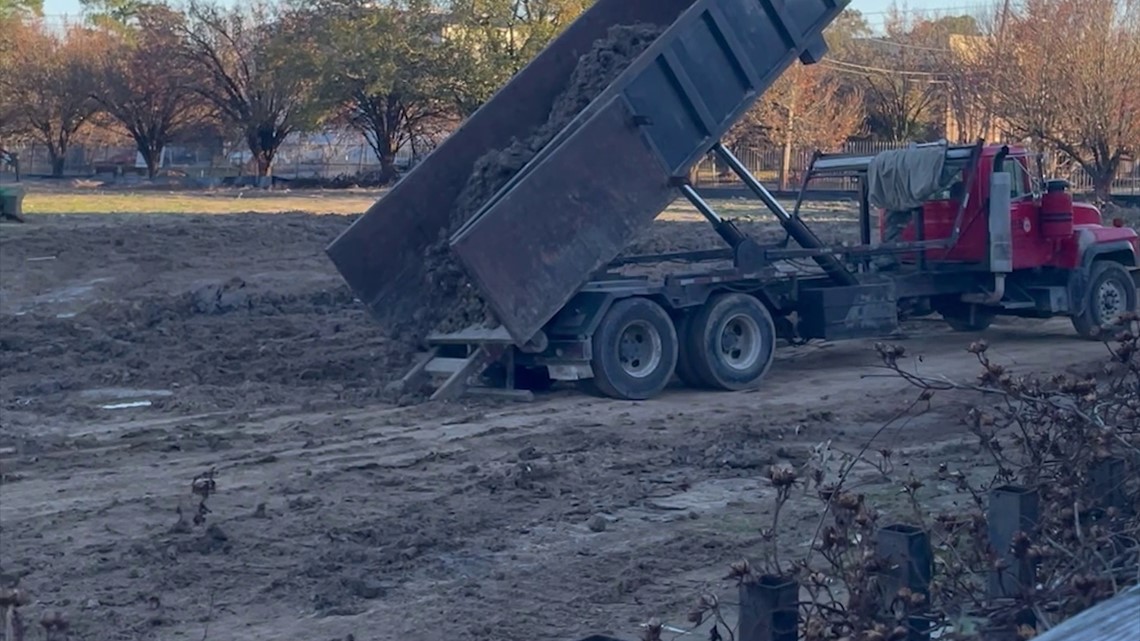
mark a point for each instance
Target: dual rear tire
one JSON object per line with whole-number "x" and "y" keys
{"x": 727, "y": 344}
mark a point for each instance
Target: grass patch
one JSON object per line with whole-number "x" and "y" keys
{"x": 233, "y": 202}
{"x": 50, "y": 200}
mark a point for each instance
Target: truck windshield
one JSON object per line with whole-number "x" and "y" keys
{"x": 1019, "y": 177}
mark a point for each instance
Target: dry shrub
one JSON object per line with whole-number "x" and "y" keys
{"x": 1074, "y": 439}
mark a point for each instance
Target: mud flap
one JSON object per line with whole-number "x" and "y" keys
{"x": 577, "y": 210}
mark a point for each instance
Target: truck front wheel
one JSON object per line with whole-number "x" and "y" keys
{"x": 635, "y": 350}
{"x": 732, "y": 341}
{"x": 1111, "y": 293}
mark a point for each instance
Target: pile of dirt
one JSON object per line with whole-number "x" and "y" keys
{"x": 454, "y": 303}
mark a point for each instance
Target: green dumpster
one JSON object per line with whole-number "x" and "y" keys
{"x": 12, "y": 202}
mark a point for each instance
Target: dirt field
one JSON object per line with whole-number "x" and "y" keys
{"x": 337, "y": 514}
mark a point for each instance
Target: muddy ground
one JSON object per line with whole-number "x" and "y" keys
{"x": 137, "y": 352}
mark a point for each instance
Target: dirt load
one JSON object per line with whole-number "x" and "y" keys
{"x": 455, "y": 304}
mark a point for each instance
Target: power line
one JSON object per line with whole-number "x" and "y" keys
{"x": 841, "y": 65}
{"x": 903, "y": 45}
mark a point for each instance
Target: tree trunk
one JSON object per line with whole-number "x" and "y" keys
{"x": 786, "y": 164}
{"x": 1102, "y": 184}
{"x": 386, "y": 154}
{"x": 383, "y": 144}
{"x": 151, "y": 156}
{"x": 264, "y": 163}
{"x": 786, "y": 160}
{"x": 263, "y": 145}
{"x": 387, "y": 168}
{"x": 57, "y": 162}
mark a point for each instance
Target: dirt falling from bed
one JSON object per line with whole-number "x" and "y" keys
{"x": 454, "y": 303}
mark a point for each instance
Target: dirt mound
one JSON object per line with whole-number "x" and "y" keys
{"x": 454, "y": 303}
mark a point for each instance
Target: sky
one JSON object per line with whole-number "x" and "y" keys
{"x": 875, "y": 10}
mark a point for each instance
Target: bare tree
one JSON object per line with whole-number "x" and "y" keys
{"x": 906, "y": 74}
{"x": 244, "y": 58}
{"x": 806, "y": 107}
{"x": 142, "y": 86}
{"x": 967, "y": 71}
{"x": 1066, "y": 77}
{"x": 47, "y": 88}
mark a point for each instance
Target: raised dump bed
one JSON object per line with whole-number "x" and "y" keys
{"x": 600, "y": 180}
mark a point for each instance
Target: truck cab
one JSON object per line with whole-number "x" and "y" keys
{"x": 1040, "y": 239}
{"x": 1060, "y": 256}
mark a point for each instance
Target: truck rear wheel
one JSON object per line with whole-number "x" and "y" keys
{"x": 635, "y": 350}
{"x": 1111, "y": 292}
{"x": 685, "y": 347}
{"x": 732, "y": 341}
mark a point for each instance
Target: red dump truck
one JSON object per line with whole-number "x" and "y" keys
{"x": 970, "y": 232}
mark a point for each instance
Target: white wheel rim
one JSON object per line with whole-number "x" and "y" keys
{"x": 1110, "y": 302}
{"x": 739, "y": 343}
{"x": 639, "y": 349}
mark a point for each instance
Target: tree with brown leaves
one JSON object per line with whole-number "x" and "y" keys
{"x": 1063, "y": 73}
{"x": 46, "y": 86}
{"x": 806, "y": 107}
{"x": 143, "y": 86}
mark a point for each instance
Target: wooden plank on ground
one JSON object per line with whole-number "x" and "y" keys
{"x": 456, "y": 384}
{"x": 420, "y": 366}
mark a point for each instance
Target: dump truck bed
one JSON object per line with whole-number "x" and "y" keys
{"x": 603, "y": 178}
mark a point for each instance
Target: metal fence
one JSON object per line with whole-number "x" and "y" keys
{"x": 330, "y": 155}
{"x": 765, "y": 163}
{"x": 321, "y": 156}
